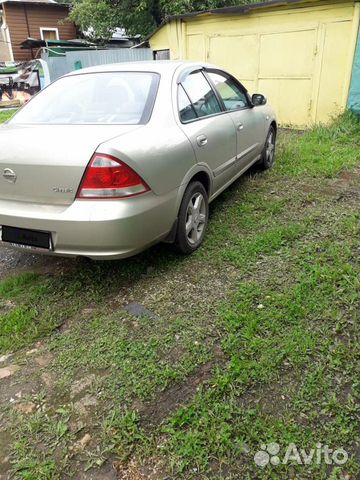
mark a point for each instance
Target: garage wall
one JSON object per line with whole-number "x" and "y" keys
{"x": 299, "y": 57}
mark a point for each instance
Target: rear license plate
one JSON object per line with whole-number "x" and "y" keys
{"x": 26, "y": 238}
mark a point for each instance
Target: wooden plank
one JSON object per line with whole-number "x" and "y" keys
{"x": 37, "y": 17}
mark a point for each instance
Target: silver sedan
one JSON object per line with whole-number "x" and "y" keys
{"x": 109, "y": 160}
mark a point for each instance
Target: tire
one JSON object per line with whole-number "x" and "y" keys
{"x": 192, "y": 223}
{"x": 268, "y": 154}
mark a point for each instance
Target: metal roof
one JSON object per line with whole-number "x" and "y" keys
{"x": 236, "y": 10}
{"x": 241, "y": 9}
{"x": 36, "y": 43}
{"x": 36, "y": 2}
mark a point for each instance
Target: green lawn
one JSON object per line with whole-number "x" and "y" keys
{"x": 6, "y": 114}
{"x": 255, "y": 338}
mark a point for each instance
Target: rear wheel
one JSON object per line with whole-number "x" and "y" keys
{"x": 193, "y": 219}
{"x": 268, "y": 154}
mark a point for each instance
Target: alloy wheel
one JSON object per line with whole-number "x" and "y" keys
{"x": 195, "y": 218}
{"x": 270, "y": 148}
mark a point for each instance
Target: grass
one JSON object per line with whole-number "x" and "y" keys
{"x": 30, "y": 307}
{"x": 32, "y": 463}
{"x": 300, "y": 328}
{"x": 324, "y": 150}
{"x": 6, "y": 114}
{"x": 255, "y": 339}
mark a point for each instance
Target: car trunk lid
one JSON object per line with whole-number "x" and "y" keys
{"x": 45, "y": 163}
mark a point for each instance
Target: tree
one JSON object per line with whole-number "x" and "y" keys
{"x": 102, "y": 17}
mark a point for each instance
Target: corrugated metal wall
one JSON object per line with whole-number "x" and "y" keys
{"x": 59, "y": 66}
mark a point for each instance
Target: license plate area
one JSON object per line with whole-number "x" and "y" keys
{"x": 23, "y": 237}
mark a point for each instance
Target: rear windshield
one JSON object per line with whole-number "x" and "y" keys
{"x": 93, "y": 98}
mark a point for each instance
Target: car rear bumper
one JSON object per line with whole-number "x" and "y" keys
{"x": 98, "y": 229}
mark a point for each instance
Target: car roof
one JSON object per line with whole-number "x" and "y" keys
{"x": 157, "y": 66}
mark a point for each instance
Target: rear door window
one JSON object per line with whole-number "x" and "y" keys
{"x": 201, "y": 95}
{"x": 186, "y": 108}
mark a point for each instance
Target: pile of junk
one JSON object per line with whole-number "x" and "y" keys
{"x": 19, "y": 81}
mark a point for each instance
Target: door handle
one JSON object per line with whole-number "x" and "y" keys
{"x": 201, "y": 140}
{"x": 240, "y": 126}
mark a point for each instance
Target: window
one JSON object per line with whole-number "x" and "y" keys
{"x": 161, "y": 54}
{"x": 230, "y": 92}
{"x": 93, "y": 98}
{"x": 48, "y": 33}
{"x": 186, "y": 110}
{"x": 202, "y": 97}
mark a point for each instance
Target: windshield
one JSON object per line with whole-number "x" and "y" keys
{"x": 93, "y": 98}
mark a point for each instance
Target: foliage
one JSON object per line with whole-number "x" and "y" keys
{"x": 102, "y": 17}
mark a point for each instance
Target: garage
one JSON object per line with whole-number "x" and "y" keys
{"x": 300, "y": 54}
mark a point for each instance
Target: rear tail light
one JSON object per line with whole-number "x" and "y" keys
{"x": 108, "y": 177}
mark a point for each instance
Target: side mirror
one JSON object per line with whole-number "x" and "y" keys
{"x": 258, "y": 99}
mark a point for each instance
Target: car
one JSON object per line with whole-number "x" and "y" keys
{"x": 109, "y": 160}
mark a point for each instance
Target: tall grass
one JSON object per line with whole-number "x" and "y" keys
{"x": 324, "y": 150}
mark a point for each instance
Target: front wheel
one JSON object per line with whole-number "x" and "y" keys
{"x": 268, "y": 154}
{"x": 193, "y": 219}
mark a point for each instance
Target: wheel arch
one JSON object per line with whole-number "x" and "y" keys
{"x": 199, "y": 173}
{"x": 203, "y": 177}
{"x": 275, "y": 127}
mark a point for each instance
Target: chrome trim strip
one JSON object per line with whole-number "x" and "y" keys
{"x": 224, "y": 166}
{"x": 247, "y": 151}
{"x": 111, "y": 192}
{"x": 235, "y": 177}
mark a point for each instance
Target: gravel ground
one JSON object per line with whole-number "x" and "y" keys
{"x": 14, "y": 261}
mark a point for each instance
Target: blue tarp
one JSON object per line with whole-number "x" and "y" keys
{"x": 354, "y": 92}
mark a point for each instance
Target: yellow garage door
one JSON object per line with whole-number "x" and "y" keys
{"x": 336, "y": 43}
{"x": 195, "y": 47}
{"x": 279, "y": 65}
{"x": 302, "y": 71}
{"x": 233, "y": 53}
{"x": 286, "y": 68}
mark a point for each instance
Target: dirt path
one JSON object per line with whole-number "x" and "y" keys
{"x": 13, "y": 262}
